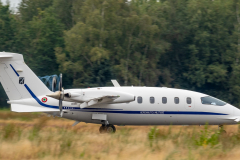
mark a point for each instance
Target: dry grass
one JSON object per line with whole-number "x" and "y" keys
{"x": 36, "y": 136}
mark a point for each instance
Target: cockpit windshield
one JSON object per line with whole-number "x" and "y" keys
{"x": 212, "y": 101}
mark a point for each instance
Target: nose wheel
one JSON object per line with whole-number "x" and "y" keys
{"x": 107, "y": 128}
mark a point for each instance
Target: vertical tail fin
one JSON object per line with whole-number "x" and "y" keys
{"x": 16, "y": 77}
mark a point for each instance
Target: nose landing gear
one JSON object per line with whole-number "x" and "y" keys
{"x": 109, "y": 128}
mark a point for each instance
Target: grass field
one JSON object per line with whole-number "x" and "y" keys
{"x": 36, "y": 136}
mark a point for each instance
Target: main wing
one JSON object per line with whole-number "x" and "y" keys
{"x": 98, "y": 100}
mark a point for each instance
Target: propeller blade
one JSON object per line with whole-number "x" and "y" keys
{"x": 60, "y": 84}
{"x": 60, "y": 107}
{"x": 61, "y": 95}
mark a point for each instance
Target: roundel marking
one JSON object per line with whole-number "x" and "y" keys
{"x": 44, "y": 99}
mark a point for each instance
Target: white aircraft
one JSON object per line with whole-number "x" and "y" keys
{"x": 111, "y": 106}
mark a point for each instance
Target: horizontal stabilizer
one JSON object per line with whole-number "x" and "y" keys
{"x": 26, "y": 108}
{"x": 5, "y": 55}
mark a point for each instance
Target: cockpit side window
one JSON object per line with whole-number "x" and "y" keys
{"x": 212, "y": 101}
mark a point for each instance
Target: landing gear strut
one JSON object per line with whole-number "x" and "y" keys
{"x": 109, "y": 128}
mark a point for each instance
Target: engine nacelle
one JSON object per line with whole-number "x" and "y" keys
{"x": 85, "y": 95}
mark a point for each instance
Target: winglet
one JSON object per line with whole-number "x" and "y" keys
{"x": 115, "y": 83}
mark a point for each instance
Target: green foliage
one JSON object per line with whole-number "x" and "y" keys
{"x": 64, "y": 11}
{"x": 44, "y": 33}
{"x": 10, "y": 131}
{"x": 7, "y": 29}
{"x": 153, "y": 135}
{"x": 37, "y": 128}
{"x": 29, "y": 8}
{"x": 206, "y": 137}
{"x": 66, "y": 144}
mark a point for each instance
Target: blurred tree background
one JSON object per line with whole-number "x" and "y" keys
{"x": 188, "y": 44}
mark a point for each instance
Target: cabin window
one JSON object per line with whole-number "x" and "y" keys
{"x": 176, "y": 100}
{"x": 164, "y": 100}
{"x": 139, "y": 99}
{"x": 212, "y": 101}
{"x": 189, "y": 100}
{"x": 152, "y": 100}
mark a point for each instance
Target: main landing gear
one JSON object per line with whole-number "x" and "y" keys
{"x": 109, "y": 128}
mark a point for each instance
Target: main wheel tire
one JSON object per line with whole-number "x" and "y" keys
{"x": 110, "y": 129}
{"x": 107, "y": 129}
{"x": 102, "y": 129}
